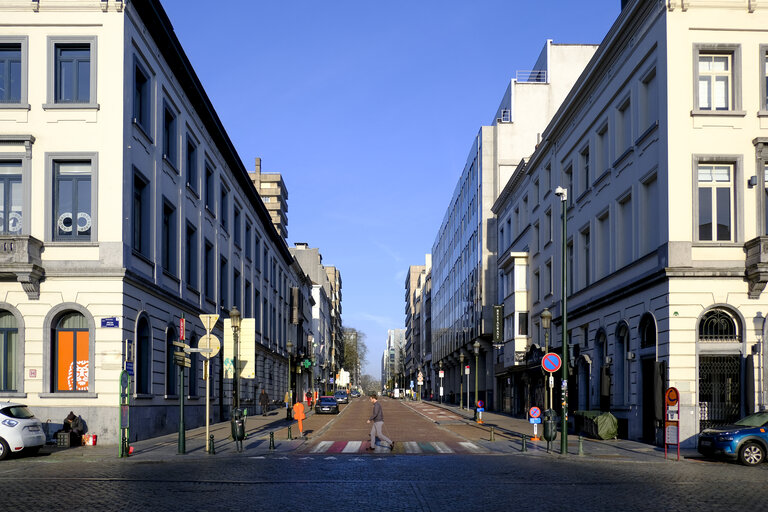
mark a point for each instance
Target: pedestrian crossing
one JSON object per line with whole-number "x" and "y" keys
{"x": 405, "y": 447}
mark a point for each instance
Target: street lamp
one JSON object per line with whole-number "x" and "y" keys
{"x": 546, "y": 322}
{"x": 461, "y": 379}
{"x": 563, "y": 195}
{"x": 476, "y": 346}
{"x": 234, "y": 317}
{"x": 289, "y": 394}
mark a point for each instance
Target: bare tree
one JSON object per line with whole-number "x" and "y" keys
{"x": 355, "y": 352}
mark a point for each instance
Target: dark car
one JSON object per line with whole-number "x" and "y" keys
{"x": 326, "y": 405}
{"x": 355, "y": 394}
{"x": 341, "y": 397}
{"x": 747, "y": 439}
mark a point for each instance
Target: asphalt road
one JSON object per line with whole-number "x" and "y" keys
{"x": 362, "y": 481}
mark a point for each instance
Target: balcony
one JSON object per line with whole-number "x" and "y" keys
{"x": 20, "y": 260}
{"x": 757, "y": 265}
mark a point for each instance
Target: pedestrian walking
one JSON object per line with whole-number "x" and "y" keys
{"x": 377, "y": 418}
{"x": 309, "y": 399}
{"x": 264, "y": 402}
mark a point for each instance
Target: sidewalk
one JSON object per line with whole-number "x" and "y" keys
{"x": 596, "y": 448}
{"x": 257, "y": 428}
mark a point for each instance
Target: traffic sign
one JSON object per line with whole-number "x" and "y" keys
{"x": 441, "y": 373}
{"x": 466, "y": 369}
{"x": 535, "y": 412}
{"x": 211, "y": 342}
{"x": 480, "y": 404}
{"x": 535, "y": 420}
{"x": 551, "y": 362}
{"x": 209, "y": 321}
{"x": 182, "y": 328}
{"x": 672, "y": 397}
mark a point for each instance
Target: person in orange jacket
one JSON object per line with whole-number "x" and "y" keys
{"x": 298, "y": 414}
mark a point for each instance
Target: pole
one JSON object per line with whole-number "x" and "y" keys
{"x": 477, "y": 371}
{"x": 206, "y": 372}
{"x": 564, "y": 387}
{"x": 182, "y": 439}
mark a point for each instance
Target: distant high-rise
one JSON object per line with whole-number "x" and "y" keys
{"x": 274, "y": 194}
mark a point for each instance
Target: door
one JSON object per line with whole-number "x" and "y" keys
{"x": 719, "y": 390}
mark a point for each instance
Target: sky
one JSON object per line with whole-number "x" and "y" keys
{"x": 368, "y": 109}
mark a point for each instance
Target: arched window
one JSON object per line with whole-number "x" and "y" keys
{"x": 621, "y": 364}
{"x": 171, "y": 372}
{"x": 143, "y": 358}
{"x": 9, "y": 349}
{"x": 647, "y": 331}
{"x": 718, "y": 325}
{"x": 71, "y": 357}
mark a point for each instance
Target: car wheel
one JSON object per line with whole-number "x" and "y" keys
{"x": 4, "y": 449}
{"x": 751, "y": 454}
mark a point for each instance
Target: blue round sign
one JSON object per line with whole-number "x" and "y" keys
{"x": 551, "y": 362}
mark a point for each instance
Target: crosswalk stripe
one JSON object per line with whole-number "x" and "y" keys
{"x": 352, "y": 447}
{"x": 322, "y": 446}
{"x": 411, "y": 447}
{"x": 471, "y": 447}
{"x": 427, "y": 447}
{"x": 441, "y": 447}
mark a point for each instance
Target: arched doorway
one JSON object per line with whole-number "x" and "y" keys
{"x": 720, "y": 368}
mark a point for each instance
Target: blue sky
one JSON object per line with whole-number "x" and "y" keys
{"x": 368, "y": 109}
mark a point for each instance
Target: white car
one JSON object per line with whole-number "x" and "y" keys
{"x": 19, "y": 430}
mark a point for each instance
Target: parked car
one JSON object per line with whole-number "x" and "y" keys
{"x": 327, "y": 405}
{"x": 747, "y": 440}
{"x": 341, "y": 397}
{"x": 355, "y": 394}
{"x": 19, "y": 430}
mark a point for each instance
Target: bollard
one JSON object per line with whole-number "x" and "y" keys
{"x": 581, "y": 446}
{"x": 289, "y": 432}
{"x": 211, "y": 446}
{"x": 525, "y": 448}
{"x": 493, "y": 438}
{"x": 271, "y": 440}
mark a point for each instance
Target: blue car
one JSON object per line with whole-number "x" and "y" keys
{"x": 747, "y": 440}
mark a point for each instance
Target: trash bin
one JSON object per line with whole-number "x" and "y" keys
{"x": 238, "y": 426}
{"x": 550, "y": 425}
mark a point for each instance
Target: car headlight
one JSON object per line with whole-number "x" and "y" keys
{"x": 724, "y": 438}
{"x": 10, "y": 423}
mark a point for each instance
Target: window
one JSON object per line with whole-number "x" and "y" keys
{"x": 210, "y": 188}
{"x": 170, "y": 150}
{"x": 11, "y": 198}
{"x": 72, "y": 201}
{"x": 536, "y": 196}
{"x": 171, "y": 371}
{"x": 649, "y": 208}
{"x": 236, "y": 227}
{"x": 715, "y": 206}
{"x": 535, "y": 239}
{"x": 547, "y": 178}
{"x": 765, "y": 200}
{"x": 72, "y": 79}
{"x": 248, "y": 242}
{"x": 603, "y": 150}
{"x": 210, "y": 272}
{"x": 236, "y": 290}
{"x": 647, "y": 331}
{"x": 71, "y": 353}
{"x": 192, "y": 164}
{"x": 536, "y": 286}
{"x": 585, "y": 258}
{"x": 649, "y": 101}
{"x": 9, "y": 349}
{"x": 224, "y": 208}
{"x": 624, "y": 232}
{"x": 141, "y": 215}
{"x": 143, "y": 358}
{"x": 223, "y": 283}
{"x": 568, "y": 175}
{"x": 584, "y": 157}
{"x": 13, "y": 71}
{"x": 257, "y": 311}
{"x": 168, "y": 241}
{"x": 717, "y": 75}
{"x": 548, "y": 278}
{"x": 569, "y": 266}
{"x": 603, "y": 242}
{"x": 257, "y": 253}
{"x": 191, "y": 255}
{"x": 142, "y": 98}
{"x": 622, "y": 364}
{"x": 248, "y": 299}
{"x": 623, "y": 128}
{"x": 522, "y": 323}
{"x": 764, "y": 79}
{"x": 547, "y": 235}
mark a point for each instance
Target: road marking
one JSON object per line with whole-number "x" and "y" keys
{"x": 411, "y": 447}
{"x": 321, "y": 446}
{"x": 442, "y": 447}
{"x": 352, "y": 447}
{"x": 472, "y": 447}
{"x": 427, "y": 448}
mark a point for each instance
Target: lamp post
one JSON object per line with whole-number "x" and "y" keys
{"x": 563, "y": 195}
{"x": 234, "y": 317}
{"x": 546, "y": 322}
{"x": 289, "y": 394}
{"x": 461, "y": 380}
{"x": 476, "y": 346}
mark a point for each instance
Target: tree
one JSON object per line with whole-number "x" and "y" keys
{"x": 355, "y": 352}
{"x": 370, "y": 384}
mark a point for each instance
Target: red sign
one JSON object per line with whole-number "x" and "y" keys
{"x": 535, "y": 412}
{"x": 181, "y": 329}
{"x": 480, "y": 404}
{"x": 672, "y": 396}
{"x": 551, "y": 362}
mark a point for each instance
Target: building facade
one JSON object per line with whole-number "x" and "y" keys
{"x": 661, "y": 149}
{"x": 103, "y": 104}
{"x": 464, "y": 259}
